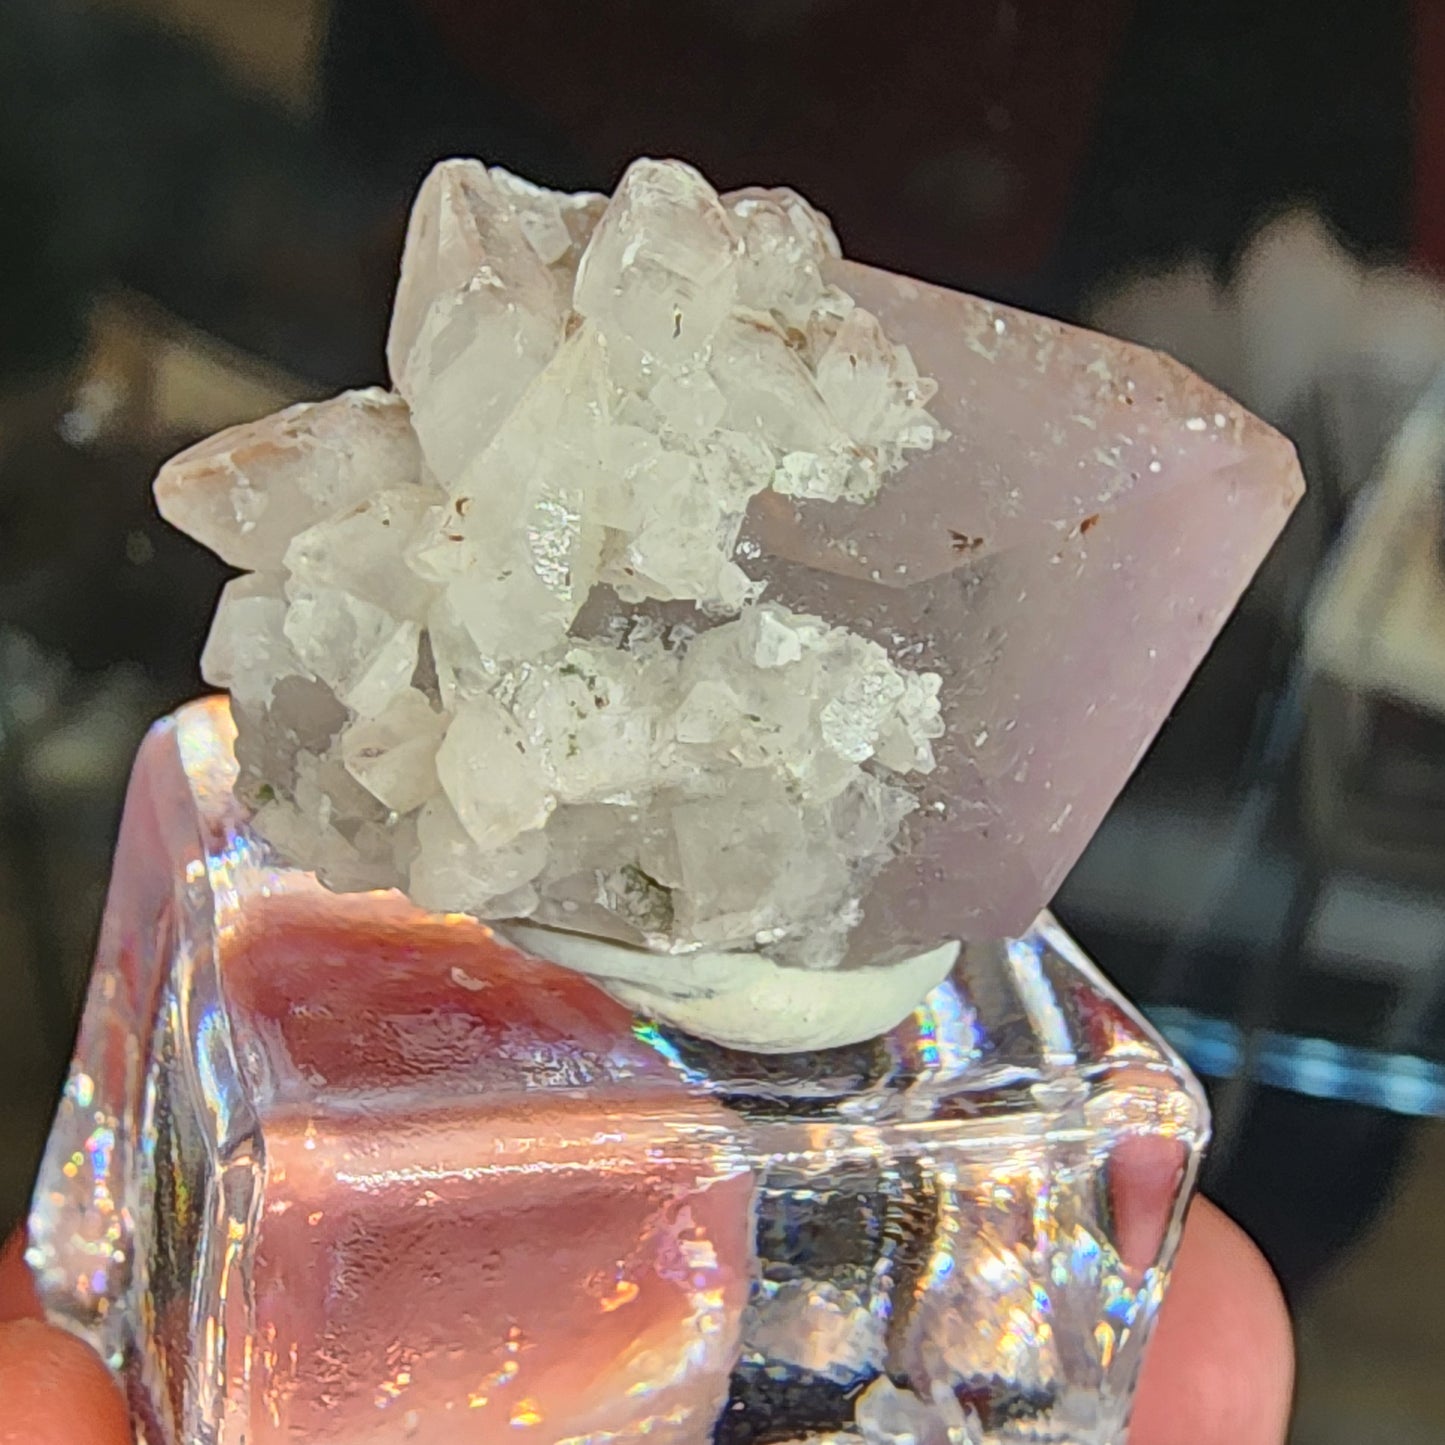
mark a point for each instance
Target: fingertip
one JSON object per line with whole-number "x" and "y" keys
{"x": 54, "y": 1390}
{"x": 18, "y": 1300}
{"x": 1220, "y": 1369}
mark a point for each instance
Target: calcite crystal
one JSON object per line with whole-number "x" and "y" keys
{"x": 697, "y": 589}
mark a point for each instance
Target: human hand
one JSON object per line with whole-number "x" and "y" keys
{"x": 1219, "y": 1372}
{"x": 1220, "y": 1368}
{"x": 53, "y": 1390}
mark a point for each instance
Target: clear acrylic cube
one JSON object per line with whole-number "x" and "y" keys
{"x": 331, "y": 1169}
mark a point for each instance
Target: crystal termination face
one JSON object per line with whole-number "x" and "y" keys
{"x": 699, "y": 589}
{"x": 332, "y": 1169}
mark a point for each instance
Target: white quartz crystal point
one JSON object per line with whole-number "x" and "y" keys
{"x": 361, "y": 651}
{"x": 248, "y": 651}
{"x": 330, "y": 820}
{"x": 557, "y": 225}
{"x": 477, "y": 316}
{"x": 597, "y": 717}
{"x": 495, "y": 783}
{"x": 393, "y": 755}
{"x": 362, "y": 551}
{"x": 452, "y": 873}
{"x": 785, "y": 242}
{"x": 661, "y": 270}
{"x": 517, "y": 549}
{"x": 247, "y": 491}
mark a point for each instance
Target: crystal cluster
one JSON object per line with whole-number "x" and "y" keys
{"x": 498, "y": 644}
{"x": 698, "y": 589}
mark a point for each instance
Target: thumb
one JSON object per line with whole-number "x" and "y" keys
{"x": 55, "y": 1391}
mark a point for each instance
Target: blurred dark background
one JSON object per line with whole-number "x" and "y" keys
{"x": 201, "y": 206}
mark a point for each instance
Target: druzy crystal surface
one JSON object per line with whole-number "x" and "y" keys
{"x": 698, "y": 589}
{"x": 330, "y": 1168}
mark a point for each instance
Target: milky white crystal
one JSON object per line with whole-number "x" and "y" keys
{"x": 500, "y": 644}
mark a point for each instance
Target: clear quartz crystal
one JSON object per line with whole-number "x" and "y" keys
{"x": 329, "y": 1168}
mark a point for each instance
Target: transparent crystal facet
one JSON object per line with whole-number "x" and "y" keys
{"x": 329, "y": 1168}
